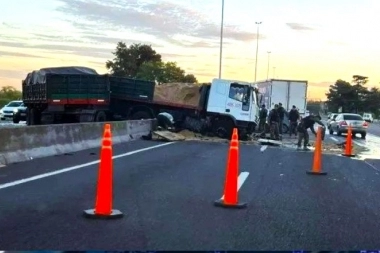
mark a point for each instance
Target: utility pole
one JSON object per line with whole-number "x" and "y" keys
{"x": 257, "y": 47}
{"x": 268, "y": 64}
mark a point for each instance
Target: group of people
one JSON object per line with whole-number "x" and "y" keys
{"x": 297, "y": 125}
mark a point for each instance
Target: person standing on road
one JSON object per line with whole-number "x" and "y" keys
{"x": 294, "y": 116}
{"x": 281, "y": 113}
{"x": 273, "y": 120}
{"x": 263, "y": 118}
{"x": 303, "y": 126}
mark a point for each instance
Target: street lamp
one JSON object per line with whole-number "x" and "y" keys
{"x": 257, "y": 47}
{"x": 221, "y": 42}
{"x": 268, "y": 64}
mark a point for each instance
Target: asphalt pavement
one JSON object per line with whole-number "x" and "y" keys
{"x": 167, "y": 194}
{"x": 374, "y": 128}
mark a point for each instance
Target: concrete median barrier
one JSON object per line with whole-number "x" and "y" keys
{"x": 23, "y": 144}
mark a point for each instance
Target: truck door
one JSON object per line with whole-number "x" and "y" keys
{"x": 297, "y": 95}
{"x": 239, "y": 101}
{"x": 254, "y": 115}
{"x": 280, "y": 94}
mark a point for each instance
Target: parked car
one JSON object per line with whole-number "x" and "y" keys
{"x": 368, "y": 117}
{"x": 6, "y": 113}
{"x": 331, "y": 117}
{"x": 343, "y": 120}
{"x": 19, "y": 114}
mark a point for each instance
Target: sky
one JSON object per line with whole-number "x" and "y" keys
{"x": 318, "y": 41}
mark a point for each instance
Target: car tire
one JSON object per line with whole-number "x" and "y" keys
{"x": 363, "y": 135}
{"x": 16, "y": 120}
{"x": 339, "y": 133}
{"x": 331, "y": 131}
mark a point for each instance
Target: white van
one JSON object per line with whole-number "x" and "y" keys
{"x": 368, "y": 117}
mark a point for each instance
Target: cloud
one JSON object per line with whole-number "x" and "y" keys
{"x": 161, "y": 19}
{"x": 68, "y": 49}
{"x": 15, "y": 54}
{"x": 299, "y": 27}
{"x": 48, "y": 40}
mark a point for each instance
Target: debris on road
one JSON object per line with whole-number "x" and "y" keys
{"x": 269, "y": 142}
{"x": 169, "y": 136}
{"x": 286, "y": 142}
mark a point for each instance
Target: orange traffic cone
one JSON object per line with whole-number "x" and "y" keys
{"x": 103, "y": 204}
{"x": 317, "y": 161}
{"x": 230, "y": 198}
{"x": 348, "y": 149}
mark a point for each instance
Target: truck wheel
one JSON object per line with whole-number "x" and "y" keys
{"x": 223, "y": 128}
{"x": 101, "y": 116}
{"x": 141, "y": 115}
{"x": 32, "y": 117}
{"x": 28, "y": 117}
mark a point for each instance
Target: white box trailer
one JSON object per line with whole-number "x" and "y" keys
{"x": 287, "y": 92}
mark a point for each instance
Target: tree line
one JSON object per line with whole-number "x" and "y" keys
{"x": 9, "y": 93}
{"x": 354, "y": 97}
{"x": 142, "y": 62}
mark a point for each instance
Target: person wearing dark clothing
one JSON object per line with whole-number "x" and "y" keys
{"x": 281, "y": 113}
{"x": 165, "y": 121}
{"x": 262, "y": 117}
{"x": 273, "y": 120}
{"x": 294, "y": 116}
{"x": 305, "y": 124}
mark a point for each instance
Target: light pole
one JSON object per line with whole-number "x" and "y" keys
{"x": 221, "y": 42}
{"x": 257, "y": 47}
{"x": 268, "y": 64}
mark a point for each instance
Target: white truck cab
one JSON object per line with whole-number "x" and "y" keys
{"x": 236, "y": 100}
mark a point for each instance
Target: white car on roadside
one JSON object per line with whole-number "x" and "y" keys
{"x": 6, "y": 113}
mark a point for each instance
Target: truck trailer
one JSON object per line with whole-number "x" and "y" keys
{"x": 80, "y": 94}
{"x": 287, "y": 92}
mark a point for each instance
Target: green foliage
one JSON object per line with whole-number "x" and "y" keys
{"x": 128, "y": 60}
{"x": 9, "y": 93}
{"x": 355, "y": 97}
{"x": 142, "y": 62}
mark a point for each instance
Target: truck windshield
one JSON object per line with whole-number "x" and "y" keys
{"x": 14, "y": 104}
{"x": 241, "y": 93}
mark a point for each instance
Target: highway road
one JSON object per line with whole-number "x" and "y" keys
{"x": 374, "y": 128}
{"x": 166, "y": 194}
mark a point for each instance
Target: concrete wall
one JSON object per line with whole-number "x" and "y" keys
{"x": 25, "y": 143}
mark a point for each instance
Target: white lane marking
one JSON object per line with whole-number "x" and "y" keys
{"x": 372, "y": 166}
{"x": 241, "y": 179}
{"x": 263, "y": 148}
{"x": 76, "y": 167}
{"x": 334, "y": 139}
{"x": 359, "y": 144}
